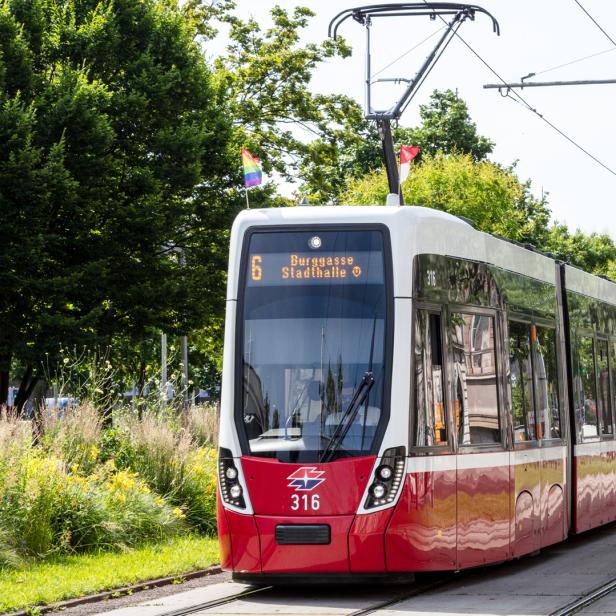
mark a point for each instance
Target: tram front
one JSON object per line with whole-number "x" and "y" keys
{"x": 305, "y": 486}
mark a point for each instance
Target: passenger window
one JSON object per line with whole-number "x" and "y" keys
{"x": 613, "y": 370}
{"x": 430, "y": 419}
{"x": 521, "y": 381}
{"x": 603, "y": 400}
{"x": 546, "y": 382}
{"x": 473, "y": 372}
{"x": 586, "y": 387}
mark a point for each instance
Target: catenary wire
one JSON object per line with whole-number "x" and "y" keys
{"x": 515, "y": 95}
{"x": 407, "y": 52}
{"x": 592, "y": 55}
{"x": 594, "y": 21}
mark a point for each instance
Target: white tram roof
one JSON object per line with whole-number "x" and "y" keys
{"x": 418, "y": 230}
{"x": 579, "y": 281}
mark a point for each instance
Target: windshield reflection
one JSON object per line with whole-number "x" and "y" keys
{"x": 306, "y": 350}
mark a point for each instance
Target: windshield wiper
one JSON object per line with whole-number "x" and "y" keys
{"x": 348, "y": 417}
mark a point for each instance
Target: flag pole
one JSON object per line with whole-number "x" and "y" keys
{"x": 247, "y": 202}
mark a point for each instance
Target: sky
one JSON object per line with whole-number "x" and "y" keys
{"x": 535, "y": 37}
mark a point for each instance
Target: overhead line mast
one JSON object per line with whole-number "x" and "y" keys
{"x": 544, "y": 84}
{"x": 364, "y": 15}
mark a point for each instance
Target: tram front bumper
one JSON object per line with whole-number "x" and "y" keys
{"x": 290, "y": 545}
{"x": 289, "y": 550}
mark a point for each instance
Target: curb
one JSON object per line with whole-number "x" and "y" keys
{"x": 115, "y": 592}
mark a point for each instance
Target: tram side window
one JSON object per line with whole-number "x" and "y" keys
{"x": 603, "y": 400}
{"x": 475, "y": 402}
{"x": 521, "y": 380}
{"x": 585, "y": 387}
{"x": 546, "y": 382}
{"x": 613, "y": 369}
{"x": 430, "y": 421}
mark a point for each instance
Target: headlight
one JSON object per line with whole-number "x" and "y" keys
{"x": 388, "y": 477}
{"x": 378, "y": 490}
{"x": 231, "y": 473}
{"x": 228, "y": 475}
{"x": 385, "y": 472}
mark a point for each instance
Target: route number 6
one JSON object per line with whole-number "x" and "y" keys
{"x": 305, "y": 502}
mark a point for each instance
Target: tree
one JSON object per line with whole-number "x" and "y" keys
{"x": 594, "y": 253}
{"x": 492, "y": 197}
{"x": 266, "y": 76}
{"x": 112, "y": 127}
{"x": 446, "y": 126}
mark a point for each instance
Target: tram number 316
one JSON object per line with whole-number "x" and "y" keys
{"x": 305, "y": 502}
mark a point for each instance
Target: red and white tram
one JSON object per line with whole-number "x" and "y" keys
{"x": 404, "y": 393}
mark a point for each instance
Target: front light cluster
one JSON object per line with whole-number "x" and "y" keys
{"x": 388, "y": 476}
{"x": 228, "y": 479}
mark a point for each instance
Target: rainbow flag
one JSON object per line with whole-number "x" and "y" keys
{"x": 253, "y": 175}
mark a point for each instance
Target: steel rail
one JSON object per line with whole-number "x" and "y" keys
{"x": 594, "y": 595}
{"x": 216, "y": 602}
{"x": 419, "y": 589}
{"x": 397, "y": 598}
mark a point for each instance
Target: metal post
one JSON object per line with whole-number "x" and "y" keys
{"x": 163, "y": 365}
{"x": 391, "y": 164}
{"x": 184, "y": 341}
{"x": 368, "y": 109}
{"x": 184, "y": 352}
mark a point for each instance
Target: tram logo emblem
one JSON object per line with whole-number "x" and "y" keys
{"x": 305, "y": 478}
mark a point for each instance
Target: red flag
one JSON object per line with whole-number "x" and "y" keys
{"x": 408, "y": 153}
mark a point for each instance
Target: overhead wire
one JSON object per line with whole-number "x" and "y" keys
{"x": 520, "y": 99}
{"x": 594, "y": 21}
{"x": 407, "y": 52}
{"x": 593, "y": 55}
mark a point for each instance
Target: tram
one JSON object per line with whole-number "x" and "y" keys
{"x": 404, "y": 393}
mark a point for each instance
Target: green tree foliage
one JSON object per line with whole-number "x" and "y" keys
{"x": 594, "y": 253}
{"x": 446, "y": 126}
{"x": 110, "y": 125}
{"x": 489, "y": 195}
{"x": 266, "y": 76}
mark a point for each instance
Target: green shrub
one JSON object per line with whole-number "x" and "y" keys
{"x": 196, "y": 495}
{"x": 83, "y": 488}
{"x": 161, "y": 451}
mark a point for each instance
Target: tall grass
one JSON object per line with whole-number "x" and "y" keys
{"x": 83, "y": 487}
{"x": 202, "y": 422}
{"x": 73, "y": 436}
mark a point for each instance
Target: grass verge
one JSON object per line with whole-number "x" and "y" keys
{"x": 68, "y": 577}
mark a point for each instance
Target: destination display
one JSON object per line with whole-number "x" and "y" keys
{"x": 296, "y": 268}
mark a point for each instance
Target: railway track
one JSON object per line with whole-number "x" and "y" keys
{"x": 398, "y": 597}
{"x": 374, "y": 607}
{"x": 589, "y": 598}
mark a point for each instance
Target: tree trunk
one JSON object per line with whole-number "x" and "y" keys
{"x": 37, "y": 391}
{"x": 5, "y": 369}
{"x": 140, "y": 387}
{"x": 24, "y": 389}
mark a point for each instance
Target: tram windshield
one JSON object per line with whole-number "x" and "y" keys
{"x": 313, "y": 337}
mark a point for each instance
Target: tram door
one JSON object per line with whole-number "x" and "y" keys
{"x": 483, "y": 484}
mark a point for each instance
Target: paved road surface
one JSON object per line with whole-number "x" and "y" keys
{"x": 534, "y": 586}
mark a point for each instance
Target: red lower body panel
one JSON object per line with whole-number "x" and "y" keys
{"x": 332, "y": 558}
{"x": 367, "y": 542}
{"x": 224, "y": 536}
{"x": 244, "y": 542}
